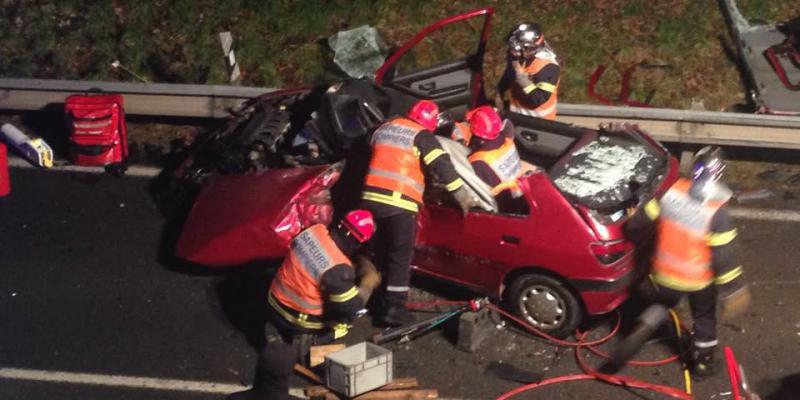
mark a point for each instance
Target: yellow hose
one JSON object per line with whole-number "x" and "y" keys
{"x": 687, "y": 378}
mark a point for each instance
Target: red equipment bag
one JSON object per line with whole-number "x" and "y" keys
{"x": 97, "y": 129}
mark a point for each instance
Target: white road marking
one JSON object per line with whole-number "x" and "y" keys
{"x": 761, "y": 214}
{"x": 756, "y": 283}
{"x": 118, "y": 381}
{"x": 135, "y": 382}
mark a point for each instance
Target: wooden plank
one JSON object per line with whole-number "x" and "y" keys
{"x": 307, "y": 373}
{"x": 317, "y": 353}
{"x": 396, "y": 384}
{"x": 400, "y": 394}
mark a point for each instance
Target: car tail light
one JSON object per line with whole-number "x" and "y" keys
{"x": 611, "y": 251}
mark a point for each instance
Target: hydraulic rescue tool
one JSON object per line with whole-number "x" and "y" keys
{"x": 406, "y": 333}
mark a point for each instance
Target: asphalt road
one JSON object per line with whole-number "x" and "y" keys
{"x": 89, "y": 310}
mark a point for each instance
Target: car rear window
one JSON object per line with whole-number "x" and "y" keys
{"x": 609, "y": 173}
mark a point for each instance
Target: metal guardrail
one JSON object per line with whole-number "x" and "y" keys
{"x": 155, "y": 99}
{"x": 213, "y": 101}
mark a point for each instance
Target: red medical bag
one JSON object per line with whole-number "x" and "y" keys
{"x": 97, "y": 129}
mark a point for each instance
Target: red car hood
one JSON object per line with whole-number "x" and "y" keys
{"x": 241, "y": 219}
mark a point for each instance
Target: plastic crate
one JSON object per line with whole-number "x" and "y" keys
{"x": 358, "y": 369}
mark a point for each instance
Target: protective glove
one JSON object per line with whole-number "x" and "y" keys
{"x": 368, "y": 275}
{"x": 466, "y": 199}
{"x": 521, "y": 76}
{"x": 736, "y": 303}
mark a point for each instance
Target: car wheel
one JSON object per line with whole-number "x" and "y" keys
{"x": 545, "y": 303}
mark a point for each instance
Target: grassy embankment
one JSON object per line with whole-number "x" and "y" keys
{"x": 281, "y": 43}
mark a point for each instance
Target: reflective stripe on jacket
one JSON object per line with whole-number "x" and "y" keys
{"x": 395, "y": 164}
{"x": 546, "y": 110}
{"x": 295, "y": 291}
{"x": 683, "y": 257}
{"x": 504, "y": 161}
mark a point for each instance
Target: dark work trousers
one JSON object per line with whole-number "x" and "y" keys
{"x": 394, "y": 246}
{"x": 286, "y": 345}
{"x": 703, "y": 304}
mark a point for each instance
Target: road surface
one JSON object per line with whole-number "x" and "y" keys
{"x": 90, "y": 309}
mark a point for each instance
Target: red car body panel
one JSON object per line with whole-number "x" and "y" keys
{"x": 233, "y": 220}
{"x": 482, "y": 249}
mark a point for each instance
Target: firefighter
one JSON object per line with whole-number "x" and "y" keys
{"x": 693, "y": 257}
{"x": 530, "y": 81}
{"x": 404, "y": 152}
{"x": 494, "y": 156}
{"x": 313, "y": 299}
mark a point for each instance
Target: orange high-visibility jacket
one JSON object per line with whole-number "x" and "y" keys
{"x": 295, "y": 292}
{"x": 395, "y": 164}
{"x": 546, "y": 110}
{"x": 682, "y": 260}
{"x": 504, "y": 161}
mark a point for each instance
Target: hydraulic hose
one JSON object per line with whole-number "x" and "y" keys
{"x": 591, "y": 374}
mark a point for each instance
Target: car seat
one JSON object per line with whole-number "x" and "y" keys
{"x": 458, "y": 155}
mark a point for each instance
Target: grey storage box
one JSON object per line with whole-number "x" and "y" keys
{"x": 358, "y": 369}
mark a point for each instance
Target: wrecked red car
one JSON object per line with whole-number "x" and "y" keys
{"x": 554, "y": 255}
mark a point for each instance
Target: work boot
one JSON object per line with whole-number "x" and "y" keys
{"x": 396, "y": 315}
{"x": 703, "y": 364}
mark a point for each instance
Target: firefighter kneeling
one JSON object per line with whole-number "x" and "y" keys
{"x": 313, "y": 299}
{"x": 693, "y": 257}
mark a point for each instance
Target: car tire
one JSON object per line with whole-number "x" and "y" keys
{"x": 545, "y": 303}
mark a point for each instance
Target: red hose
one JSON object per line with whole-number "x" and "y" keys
{"x": 619, "y": 380}
{"x": 545, "y": 382}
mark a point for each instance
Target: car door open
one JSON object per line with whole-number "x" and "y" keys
{"x": 430, "y": 66}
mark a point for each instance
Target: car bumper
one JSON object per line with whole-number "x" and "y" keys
{"x": 603, "y": 296}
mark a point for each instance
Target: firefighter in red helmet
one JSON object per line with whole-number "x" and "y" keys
{"x": 313, "y": 299}
{"x": 694, "y": 258}
{"x": 494, "y": 156}
{"x": 404, "y": 152}
{"x": 532, "y": 75}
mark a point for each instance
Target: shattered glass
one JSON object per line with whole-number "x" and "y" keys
{"x": 358, "y": 52}
{"x": 605, "y": 174}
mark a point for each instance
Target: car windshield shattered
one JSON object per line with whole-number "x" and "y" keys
{"x": 606, "y": 173}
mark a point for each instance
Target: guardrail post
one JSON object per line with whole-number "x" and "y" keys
{"x": 686, "y": 160}
{"x": 226, "y": 39}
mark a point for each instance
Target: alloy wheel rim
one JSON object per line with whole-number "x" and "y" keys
{"x": 542, "y": 307}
